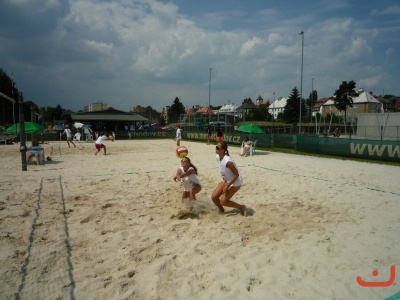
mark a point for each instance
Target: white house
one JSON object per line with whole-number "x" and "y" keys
{"x": 363, "y": 103}
{"x": 277, "y": 107}
{"x": 228, "y": 108}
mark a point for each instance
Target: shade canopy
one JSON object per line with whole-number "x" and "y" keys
{"x": 30, "y": 127}
{"x": 250, "y": 128}
{"x": 78, "y": 125}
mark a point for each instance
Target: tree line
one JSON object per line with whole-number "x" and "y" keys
{"x": 343, "y": 99}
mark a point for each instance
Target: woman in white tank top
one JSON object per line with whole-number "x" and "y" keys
{"x": 231, "y": 180}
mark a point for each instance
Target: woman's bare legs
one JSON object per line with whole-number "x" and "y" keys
{"x": 216, "y": 194}
{"x": 36, "y": 156}
{"x": 194, "y": 190}
{"x": 191, "y": 195}
{"x": 220, "y": 199}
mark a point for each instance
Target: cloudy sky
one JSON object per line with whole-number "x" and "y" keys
{"x": 147, "y": 52}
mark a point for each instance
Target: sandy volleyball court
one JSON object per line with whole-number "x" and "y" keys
{"x": 112, "y": 227}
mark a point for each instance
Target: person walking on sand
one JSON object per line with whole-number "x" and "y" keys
{"x": 231, "y": 180}
{"x": 187, "y": 173}
{"x": 100, "y": 143}
{"x": 208, "y": 133}
{"x": 68, "y": 133}
{"x": 178, "y": 135}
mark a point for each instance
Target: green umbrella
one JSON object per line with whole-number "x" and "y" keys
{"x": 250, "y": 128}
{"x": 30, "y": 127}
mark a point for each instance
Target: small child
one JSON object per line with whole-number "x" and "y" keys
{"x": 187, "y": 173}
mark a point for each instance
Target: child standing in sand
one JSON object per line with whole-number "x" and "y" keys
{"x": 187, "y": 173}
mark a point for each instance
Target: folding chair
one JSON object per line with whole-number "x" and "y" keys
{"x": 253, "y": 147}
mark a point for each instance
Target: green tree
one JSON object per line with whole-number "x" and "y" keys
{"x": 175, "y": 111}
{"x": 162, "y": 120}
{"x": 310, "y": 101}
{"x": 344, "y": 96}
{"x": 28, "y": 106}
{"x": 9, "y": 111}
{"x": 58, "y": 112}
{"x": 291, "y": 111}
{"x": 248, "y": 101}
{"x": 151, "y": 114}
{"x": 248, "y": 106}
{"x": 48, "y": 113}
{"x": 260, "y": 113}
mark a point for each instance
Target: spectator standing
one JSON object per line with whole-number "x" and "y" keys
{"x": 208, "y": 133}
{"x": 178, "y": 135}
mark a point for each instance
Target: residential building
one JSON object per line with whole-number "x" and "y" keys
{"x": 95, "y": 106}
{"x": 109, "y": 120}
{"x": 260, "y": 101}
{"x": 363, "y": 103}
{"x": 317, "y": 108}
{"x": 277, "y": 107}
{"x": 164, "y": 113}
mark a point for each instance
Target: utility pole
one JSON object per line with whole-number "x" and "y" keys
{"x": 273, "y": 113}
{"x": 209, "y": 98}
{"x": 301, "y": 80}
{"x": 22, "y": 146}
{"x": 312, "y": 98}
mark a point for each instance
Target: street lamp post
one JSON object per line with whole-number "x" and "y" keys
{"x": 273, "y": 113}
{"x": 312, "y": 94}
{"x": 22, "y": 138}
{"x": 312, "y": 103}
{"x": 301, "y": 80}
{"x": 209, "y": 98}
{"x": 33, "y": 118}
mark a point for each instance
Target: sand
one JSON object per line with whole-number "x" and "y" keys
{"x": 113, "y": 227}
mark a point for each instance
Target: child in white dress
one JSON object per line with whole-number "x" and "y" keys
{"x": 187, "y": 173}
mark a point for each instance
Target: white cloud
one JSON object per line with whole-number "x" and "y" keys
{"x": 247, "y": 48}
{"x": 357, "y": 47}
{"x": 392, "y": 10}
{"x": 99, "y": 47}
{"x": 284, "y": 50}
{"x": 369, "y": 81}
{"x": 336, "y": 26}
{"x": 274, "y": 38}
{"x": 149, "y": 50}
